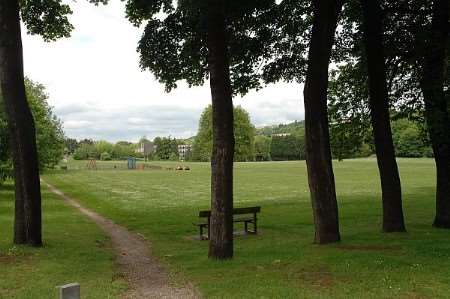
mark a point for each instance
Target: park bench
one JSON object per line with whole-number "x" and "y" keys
{"x": 244, "y": 215}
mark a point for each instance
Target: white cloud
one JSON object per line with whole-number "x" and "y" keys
{"x": 98, "y": 90}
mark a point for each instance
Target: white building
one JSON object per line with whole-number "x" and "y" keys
{"x": 183, "y": 151}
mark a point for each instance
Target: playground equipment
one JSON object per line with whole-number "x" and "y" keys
{"x": 92, "y": 164}
{"x": 131, "y": 162}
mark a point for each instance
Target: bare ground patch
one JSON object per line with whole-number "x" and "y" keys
{"x": 316, "y": 277}
{"x": 7, "y": 259}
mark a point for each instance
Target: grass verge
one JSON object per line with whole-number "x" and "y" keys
{"x": 75, "y": 250}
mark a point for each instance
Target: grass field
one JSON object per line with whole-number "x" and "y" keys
{"x": 281, "y": 262}
{"x": 74, "y": 251}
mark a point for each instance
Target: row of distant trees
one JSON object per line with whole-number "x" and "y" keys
{"x": 287, "y": 141}
{"x": 100, "y": 150}
{"x": 271, "y": 143}
{"x": 164, "y": 148}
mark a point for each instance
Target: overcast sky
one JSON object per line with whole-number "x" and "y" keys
{"x": 98, "y": 90}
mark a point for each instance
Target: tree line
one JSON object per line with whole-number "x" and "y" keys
{"x": 162, "y": 148}
{"x": 286, "y": 142}
{"x": 386, "y": 55}
{"x": 281, "y": 142}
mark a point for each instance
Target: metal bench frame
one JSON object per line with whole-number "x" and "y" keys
{"x": 236, "y": 211}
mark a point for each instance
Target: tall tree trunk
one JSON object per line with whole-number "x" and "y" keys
{"x": 318, "y": 153}
{"x": 436, "y": 107}
{"x": 221, "y": 236}
{"x": 21, "y": 125}
{"x": 379, "y": 105}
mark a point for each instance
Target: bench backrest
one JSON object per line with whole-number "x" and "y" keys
{"x": 236, "y": 211}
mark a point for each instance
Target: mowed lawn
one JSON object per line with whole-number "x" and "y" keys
{"x": 75, "y": 250}
{"x": 281, "y": 262}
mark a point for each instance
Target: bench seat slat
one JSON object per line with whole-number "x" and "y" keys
{"x": 236, "y": 211}
{"x": 242, "y": 219}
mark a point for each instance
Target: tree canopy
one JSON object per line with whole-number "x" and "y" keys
{"x": 49, "y": 132}
{"x": 244, "y": 136}
{"x": 173, "y": 45}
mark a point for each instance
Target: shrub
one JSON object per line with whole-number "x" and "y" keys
{"x": 105, "y": 156}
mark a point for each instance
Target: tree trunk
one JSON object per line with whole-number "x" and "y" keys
{"x": 21, "y": 124}
{"x": 221, "y": 240}
{"x": 20, "y": 235}
{"x": 379, "y": 105}
{"x": 318, "y": 153}
{"x": 436, "y": 107}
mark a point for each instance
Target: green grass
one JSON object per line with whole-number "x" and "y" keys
{"x": 75, "y": 250}
{"x": 281, "y": 262}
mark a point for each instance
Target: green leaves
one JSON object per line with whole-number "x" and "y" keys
{"x": 287, "y": 147}
{"x": 47, "y": 18}
{"x": 138, "y": 11}
{"x": 173, "y": 45}
{"x": 244, "y": 134}
{"x": 49, "y": 132}
{"x": 166, "y": 148}
{"x": 171, "y": 54}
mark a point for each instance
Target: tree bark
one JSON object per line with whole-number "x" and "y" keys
{"x": 318, "y": 153}
{"x": 393, "y": 220}
{"x": 221, "y": 239}
{"x": 436, "y": 107}
{"x": 21, "y": 124}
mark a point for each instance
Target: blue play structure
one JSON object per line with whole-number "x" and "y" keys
{"x": 131, "y": 162}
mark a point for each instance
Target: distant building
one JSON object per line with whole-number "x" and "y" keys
{"x": 146, "y": 148}
{"x": 282, "y": 134}
{"x": 184, "y": 150}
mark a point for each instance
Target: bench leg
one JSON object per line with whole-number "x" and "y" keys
{"x": 246, "y": 227}
{"x": 255, "y": 226}
{"x": 209, "y": 228}
{"x": 201, "y": 232}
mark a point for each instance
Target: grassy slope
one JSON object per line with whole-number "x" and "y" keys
{"x": 281, "y": 262}
{"x": 75, "y": 251}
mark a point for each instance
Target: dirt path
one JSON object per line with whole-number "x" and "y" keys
{"x": 146, "y": 277}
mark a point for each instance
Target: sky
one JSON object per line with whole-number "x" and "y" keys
{"x": 98, "y": 90}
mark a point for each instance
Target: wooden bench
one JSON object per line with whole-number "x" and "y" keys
{"x": 245, "y": 215}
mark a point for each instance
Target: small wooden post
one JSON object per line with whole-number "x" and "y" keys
{"x": 69, "y": 291}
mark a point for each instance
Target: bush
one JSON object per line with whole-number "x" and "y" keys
{"x": 409, "y": 140}
{"x": 289, "y": 147}
{"x": 173, "y": 157}
{"x": 105, "y": 156}
{"x": 86, "y": 151}
{"x": 428, "y": 152}
{"x": 262, "y": 148}
{"x": 5, "y": 171}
